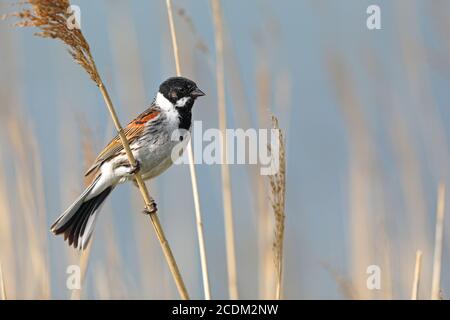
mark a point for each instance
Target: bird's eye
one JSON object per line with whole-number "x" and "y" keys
{"x": 173, "y": 94}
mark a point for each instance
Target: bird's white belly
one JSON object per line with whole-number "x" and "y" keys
{"x": 155, "y": 161}
{"x": 156, "y": 158}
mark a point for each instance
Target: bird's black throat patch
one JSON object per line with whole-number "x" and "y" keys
{"x": 185, "y": 116}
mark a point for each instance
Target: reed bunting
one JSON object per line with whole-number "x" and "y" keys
{"x": 150, "y": 138}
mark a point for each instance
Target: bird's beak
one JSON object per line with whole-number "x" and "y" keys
{"x": 197, "y": 93}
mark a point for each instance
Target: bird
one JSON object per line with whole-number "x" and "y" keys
{"x": 150, "y": 136}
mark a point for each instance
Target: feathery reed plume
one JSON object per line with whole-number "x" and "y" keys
{"x": 2, "y": 284}
{"x": 52, "y": 18}
{"x": 278, "y": 200}
{"x": 225, "y": 170}
{"x": 416, "y": 281}
{"x": 438, "y": 243}
{"x": 198, "y": 213}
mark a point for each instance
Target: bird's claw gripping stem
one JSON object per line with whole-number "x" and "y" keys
{"x": 153, "y": 209}
{"x": 136, "y": 168}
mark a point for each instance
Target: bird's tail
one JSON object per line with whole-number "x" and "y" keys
{"x": 77, "y": 222}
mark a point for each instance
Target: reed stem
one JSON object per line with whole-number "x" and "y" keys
{"x": 2, "y": 284}
{"x": 416, "y": 281}
{"x": 84, "y": 262}
{"x": 198, "y": 214}
{"x": 438, "y": 242}
{"x": 226, "y": 180}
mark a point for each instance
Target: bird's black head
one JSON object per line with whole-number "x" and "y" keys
{"x": 180, "y": 91}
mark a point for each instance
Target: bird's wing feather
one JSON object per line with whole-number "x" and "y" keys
{"x": 132, "y": 131}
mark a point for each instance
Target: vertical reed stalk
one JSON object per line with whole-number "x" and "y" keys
{"x": 226, "y": 180}
{"x": 89, "y": 157}
{"x": 195, "y": 194}
{"x": 26, "y": 189}
{"x": 84, "y": 262}
{"x": 2, "y": 284}
{"x": 362, "y": 168}
{"x": 416, "y": 281}
{"x": 8, "y": 250}
{"x": 51, "y": 17}
{"x": 438, "y": 241}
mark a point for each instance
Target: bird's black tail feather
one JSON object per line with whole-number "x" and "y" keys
{"x": 77, "y": 223}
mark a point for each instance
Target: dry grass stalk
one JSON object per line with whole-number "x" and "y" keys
{"x": 195, "y": 193}
{"x": 226, "y": 179}
{"x": 362, "y": 168}
{"x": 278, "y": 200}
{"x": 7, "y": 242}
{"x": 241, "y": 102}
{"x": 83, "y": 263}
{"x": 416, "y": 281}
{"x": 2, "y": 284}
{"x": 173, "y": 35}
{"x": 438, "y": 243}
{"x": 28, "y": 189}
{"x": 89, "y": 157}
{"x": 51, "y": 17}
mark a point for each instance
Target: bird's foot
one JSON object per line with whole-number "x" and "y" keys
{"x": 152, "y": 210}
{"x": 136, "y": 168}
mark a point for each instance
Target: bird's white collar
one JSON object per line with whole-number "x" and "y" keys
{"x": 163, "y": 103}
{"x": 166, "y": 105}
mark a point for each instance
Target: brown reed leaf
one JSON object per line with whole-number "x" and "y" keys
{"x": 52, "y": 18}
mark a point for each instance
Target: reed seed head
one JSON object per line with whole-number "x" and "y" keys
{"x": 51, "y": 17}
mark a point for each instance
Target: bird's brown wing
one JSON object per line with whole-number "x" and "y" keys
{"x": 132, "y": 131}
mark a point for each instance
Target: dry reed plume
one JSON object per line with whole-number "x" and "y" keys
{"x": 278, "y": 200}
{"x": 52, "y": 17}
